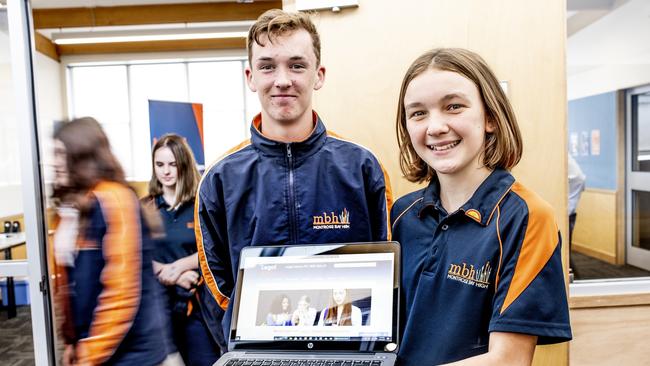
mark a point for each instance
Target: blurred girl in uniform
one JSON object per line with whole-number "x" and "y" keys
{"x": 103, "y": 246}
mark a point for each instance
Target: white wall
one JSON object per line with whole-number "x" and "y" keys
{"x": 48, "y": 77}
{"x": 611, "y": 54}
{"x": 10, "y": 198}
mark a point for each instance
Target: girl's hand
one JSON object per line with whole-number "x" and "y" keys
{"x": 169, "y": 274}
{"x": 68, "y": 355}
{"x": 188, "y": 279}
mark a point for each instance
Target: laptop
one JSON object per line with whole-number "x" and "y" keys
{"x": 316, "y": 305}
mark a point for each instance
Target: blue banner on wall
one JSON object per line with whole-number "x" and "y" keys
{"x": 593, "y": 138}
{"x": 184, "y": 119}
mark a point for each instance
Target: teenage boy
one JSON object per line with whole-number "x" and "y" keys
{"x": 293, "y": 181}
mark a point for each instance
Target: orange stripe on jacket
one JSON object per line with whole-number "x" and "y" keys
{"x": 221, "y": 299}
{"x": 389, "y": 202}
{"x": 496, "y": 279}
{"x": 389, "y": 190}
{"x": 540, "y": 241}
{"x": 121, "y": 276}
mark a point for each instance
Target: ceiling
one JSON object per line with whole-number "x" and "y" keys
{"x": 600, "y": 32}
{"x": 620, "y": 36}
{"x": 50, "y": 4}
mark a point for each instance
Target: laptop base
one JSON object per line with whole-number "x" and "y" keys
{"x": 305, "y": 359}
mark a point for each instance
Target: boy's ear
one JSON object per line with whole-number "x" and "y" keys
{"x": 249, "y": 79}
{"x": 320, "y": 77}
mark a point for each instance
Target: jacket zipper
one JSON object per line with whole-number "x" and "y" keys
{"x": 292, "y": 200}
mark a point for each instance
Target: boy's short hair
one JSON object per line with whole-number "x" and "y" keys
{"x": 503, "y": 147}
{"x": 275, "y": 22}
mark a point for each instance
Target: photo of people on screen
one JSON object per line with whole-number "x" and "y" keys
{"x": 341, "y": 312}
{"x": 314, "y": 307}
{"x": 305, "y": 314}
{"x": 280, "y": 313}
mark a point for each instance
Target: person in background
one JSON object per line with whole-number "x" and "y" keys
{"x": 293, "y": 181}
{"x": 341, "y": 311}
{"x": 172, "y": 188}
{"x": 483, "y": 282}
{"x": 280, "y": 313}
{"x": 104, "y": 246}
{"x": 577, "y": 181}
{"x": 305, "y": 314}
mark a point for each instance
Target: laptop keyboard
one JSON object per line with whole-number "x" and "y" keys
{"x": 265, "y": 362}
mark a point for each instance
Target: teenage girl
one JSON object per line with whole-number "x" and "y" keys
{"x": 171, "y": 189}
{"x": 281, "y": 312}
{"x": 482, "y": 282}
{"x": 341, "y": 311}
{"x": 103, "y": 255}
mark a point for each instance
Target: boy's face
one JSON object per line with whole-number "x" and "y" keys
{"x": 285, "y": 74}
{"x": 446, "y": 122}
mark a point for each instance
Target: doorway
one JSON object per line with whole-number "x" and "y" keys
{"x": 638, "y": 177}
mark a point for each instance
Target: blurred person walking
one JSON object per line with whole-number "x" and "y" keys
{"x": 577, "y": 182}
{"x": 103, "y": 244}
{"x": 172, "y": 188}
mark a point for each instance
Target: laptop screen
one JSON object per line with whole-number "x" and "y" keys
{"x": 317, "y": 294}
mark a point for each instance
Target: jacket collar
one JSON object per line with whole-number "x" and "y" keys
{"x": 298, "y": 149}
{"x": 481, "y": 206}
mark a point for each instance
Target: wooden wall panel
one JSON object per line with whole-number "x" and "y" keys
{"x": 595, "y": 233}
{"x": 618, "y": 337}
{"x": 46, "y": 47}
{"x": 150, "y": 14}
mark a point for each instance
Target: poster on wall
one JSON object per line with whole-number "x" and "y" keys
{"x": 595, "y": 142}
{"x": 584, "y": 143}
{"x": 573, "y": 144}
{"x": 181, "y": 118}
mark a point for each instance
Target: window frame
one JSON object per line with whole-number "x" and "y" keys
{"x": 128, "y": 60}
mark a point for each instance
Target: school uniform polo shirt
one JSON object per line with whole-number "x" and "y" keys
{"x": 179, "y": 240}
{"x": 491, "y": 266}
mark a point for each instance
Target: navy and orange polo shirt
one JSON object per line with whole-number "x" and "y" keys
{"x": 494, "y": 265}
{"x": 180, "y": 240}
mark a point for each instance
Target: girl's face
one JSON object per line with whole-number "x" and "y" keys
{"x": 165, "y": 167}
{"x": 446, "y": 123}
{"x": 303, "y": 304}
{"x": 61, "y": 176}
{"x": 285, "y": 304}
{"x": 339, "y": 296}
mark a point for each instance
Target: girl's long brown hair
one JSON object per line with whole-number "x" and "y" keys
{"x": 89, "y": 161}
{"x": 88, "y": 155}
{"x": 346, "y": 314}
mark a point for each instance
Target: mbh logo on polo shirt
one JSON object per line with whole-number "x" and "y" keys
{"x": 331, "y": 220}
{"x": 470, "y": 275}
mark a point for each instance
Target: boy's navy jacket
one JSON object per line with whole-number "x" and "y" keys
{"x": 263, "y": 192}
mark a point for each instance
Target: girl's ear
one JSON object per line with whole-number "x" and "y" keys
{"x": 490, "y": 126}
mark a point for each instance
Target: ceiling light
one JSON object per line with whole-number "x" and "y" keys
{"x": 334, "y": 5}
{"x": 67, "y": 38}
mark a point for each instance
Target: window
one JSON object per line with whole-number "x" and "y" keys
{"x": 118, "y": 95}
